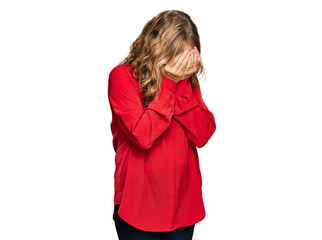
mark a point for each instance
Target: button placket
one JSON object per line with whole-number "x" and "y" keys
{"x": 175, "y": 89}
{"x": 174, "y": 92}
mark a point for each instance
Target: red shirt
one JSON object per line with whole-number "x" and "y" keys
{"x": 157, "y": 178}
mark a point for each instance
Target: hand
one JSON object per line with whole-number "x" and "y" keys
{"x": 182, "y": 66}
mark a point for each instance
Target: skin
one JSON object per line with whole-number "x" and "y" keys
{"x": 183, "y": 65}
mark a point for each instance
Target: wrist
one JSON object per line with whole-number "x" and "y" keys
{"x": 172, "y": 78}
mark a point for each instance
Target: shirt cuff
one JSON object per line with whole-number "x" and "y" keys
{"x": 185, "y": 99}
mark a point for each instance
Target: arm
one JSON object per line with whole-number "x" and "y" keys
{"x": 192, "y": 113}
{"x": 141, "y": 125}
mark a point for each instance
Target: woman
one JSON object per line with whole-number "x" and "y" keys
{"x": 158, "y": 120}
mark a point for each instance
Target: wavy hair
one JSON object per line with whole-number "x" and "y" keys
{"x": 161, "y": 40}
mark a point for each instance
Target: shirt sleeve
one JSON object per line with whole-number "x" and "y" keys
{"x": 193, "y": 114}
{"x": 140, "y": 124}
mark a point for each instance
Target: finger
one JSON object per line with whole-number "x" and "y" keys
{"x": 170, "y": 64}
{"x": 196, "y": 56}
{"x": 185, "y": 67}
{"x": 189, "y": 66}
{"x": 167, "y": 68}
{"x": 173, "y": 62}
{"x": 196, "y": 62}
{"x": 190, "y": 63}
{"x": 199, "y": 57}
{"x": 181, "y": 68}
{"x": 180, "y": 61}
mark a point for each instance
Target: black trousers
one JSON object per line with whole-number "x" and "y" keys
{"x": 127, "y": 232}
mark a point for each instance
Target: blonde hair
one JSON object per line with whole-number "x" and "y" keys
{"x": 161, "y": 40}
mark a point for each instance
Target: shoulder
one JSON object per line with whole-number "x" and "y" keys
{"x": 121, "y": 72}
{"x": 121, "y": 76}
{"x": 121, "y": 69}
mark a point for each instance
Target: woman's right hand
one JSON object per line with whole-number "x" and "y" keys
{"x": 182, "y": 66}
